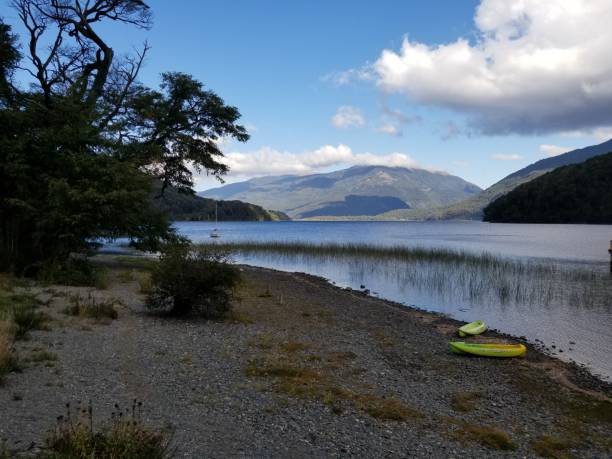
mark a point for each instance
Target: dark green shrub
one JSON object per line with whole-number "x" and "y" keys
{"x": 192, "y": 280}
{"x": 76, "y": 271}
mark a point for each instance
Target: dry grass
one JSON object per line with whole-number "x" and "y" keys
{"x": 41, "y": 356}
{"x": 145, "y": 284}
{"x": 294, "y": 375}
{"x": 465, "y": 401}
{"x": 91, "y": 308}
{"x": 8, "y": 358}
{"x": 386, "y": 409}
{"x": 552, "y": 447}
{"x": 488, "y": 436}
{"x": 293, "y": 347}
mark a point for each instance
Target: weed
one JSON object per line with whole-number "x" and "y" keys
{"x": 386, "y": 409}
{"x": 145, "y": 284}
{"x": 490, "y": 437}
{"x": 41, "y": 356}
{"x": 125, "y": 435}
{"x": 125, "y": 276}
{"x": 8, "y": 359}
{"x": 293, "y": 347}
{"x": 464, "y": 401}
{"x": 553, "y": 447}
{"x": 21, "y": 310}
{"x": 91, "y": 308}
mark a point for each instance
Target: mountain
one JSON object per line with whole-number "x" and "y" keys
{"x": 191, "y": 207}
{"x": 580, "y": 193}
{"x": 472, "y": 208}
{"x": 357, "y": 191}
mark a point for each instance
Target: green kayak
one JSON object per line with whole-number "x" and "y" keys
{"x": 473, "y": 328}
{"x": 488, "y": 350}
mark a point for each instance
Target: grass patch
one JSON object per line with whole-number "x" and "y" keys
{"x": 295, "y": 379}
{"x": 91, "y": 308}
{"x": 124, "y": 435}
{"x": 21, "y": 310}
{"x": 552, "y": 447}
{"x": 126, "y": 276}
{"x": 488, "y": 436}
{"x": 465, "y": 401}
{"x": 293, "y": 346}
{"x": 145, "y": 283}
{"x": 386, "y": 409}
{"x": 8, "y": 358}
{"x": 237, "y": 317}
{"x": 41, "y": 356}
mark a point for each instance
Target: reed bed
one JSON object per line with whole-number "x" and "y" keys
{"x": 449, "y": 273}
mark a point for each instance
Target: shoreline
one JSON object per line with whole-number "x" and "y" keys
{"x": 585, "y": 379}
{"x": 301, "y": 368}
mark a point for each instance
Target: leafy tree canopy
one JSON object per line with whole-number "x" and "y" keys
{"x": 81, "y": 147}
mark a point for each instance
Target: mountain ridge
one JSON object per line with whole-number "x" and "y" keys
{"x": 472, "y": 208}
{"x": 370, "y": 188}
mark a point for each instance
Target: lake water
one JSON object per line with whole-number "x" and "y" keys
{"x": 571, "y": 312}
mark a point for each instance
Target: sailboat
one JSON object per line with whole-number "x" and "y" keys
{"x": 215, "y": 232}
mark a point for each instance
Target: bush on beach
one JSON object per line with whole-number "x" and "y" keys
{"x": 192, "y": 280}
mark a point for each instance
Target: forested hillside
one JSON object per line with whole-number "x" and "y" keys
{"x": 183, "y": 206}
{"x": 580, "y": 193}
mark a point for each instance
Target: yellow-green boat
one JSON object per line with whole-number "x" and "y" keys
{"x": 473, "y": 328}
{"x": 488, "y": 350}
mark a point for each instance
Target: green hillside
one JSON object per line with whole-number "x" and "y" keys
{"x": 580, "y": 193}
{"x": 472, "y": 208}
{"x": 194, "y": 208}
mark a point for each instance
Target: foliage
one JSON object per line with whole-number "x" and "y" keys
{"x": 75, "y": 271}
{"x": 192, "y": 280}
{"x": 125, "y": 435}
{"x": 579, "y": 193}
{"x": 81, "y": 149}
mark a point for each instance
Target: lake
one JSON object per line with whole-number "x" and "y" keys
{"x": 567, "y": 306}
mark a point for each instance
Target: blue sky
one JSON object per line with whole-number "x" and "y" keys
{"x": 290, "y": 67}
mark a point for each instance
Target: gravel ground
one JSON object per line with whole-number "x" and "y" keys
{"x": 303, "y": 369}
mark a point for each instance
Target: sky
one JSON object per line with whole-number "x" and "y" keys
{"x": 477, "y": 89}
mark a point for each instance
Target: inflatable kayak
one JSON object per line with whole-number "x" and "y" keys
{"x": 473, "y": 328}
{"x": 488, "y": 350}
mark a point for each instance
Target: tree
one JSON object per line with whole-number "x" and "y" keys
{"x": 80, "y": 151}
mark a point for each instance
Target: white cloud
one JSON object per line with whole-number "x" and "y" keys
{"x": 348, "y": 116}
{"x": 365, "y": 73}
{"x": 553, "y": 150}
{"x": 390, "y": 129}
{"x": 536, "y": 66}
{"x": 506, "y": 157}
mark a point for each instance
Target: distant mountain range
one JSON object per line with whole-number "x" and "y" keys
{"x": 357, "y": 191}
{"x": 578, "y": 193}
{"x": 472, "y": 208}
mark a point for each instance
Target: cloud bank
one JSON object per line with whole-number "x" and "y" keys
{"x": 268, "y": 161}
{"x": 536, "y": 67}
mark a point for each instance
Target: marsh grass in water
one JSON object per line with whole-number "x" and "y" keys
{"x": 449, "y": 273}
